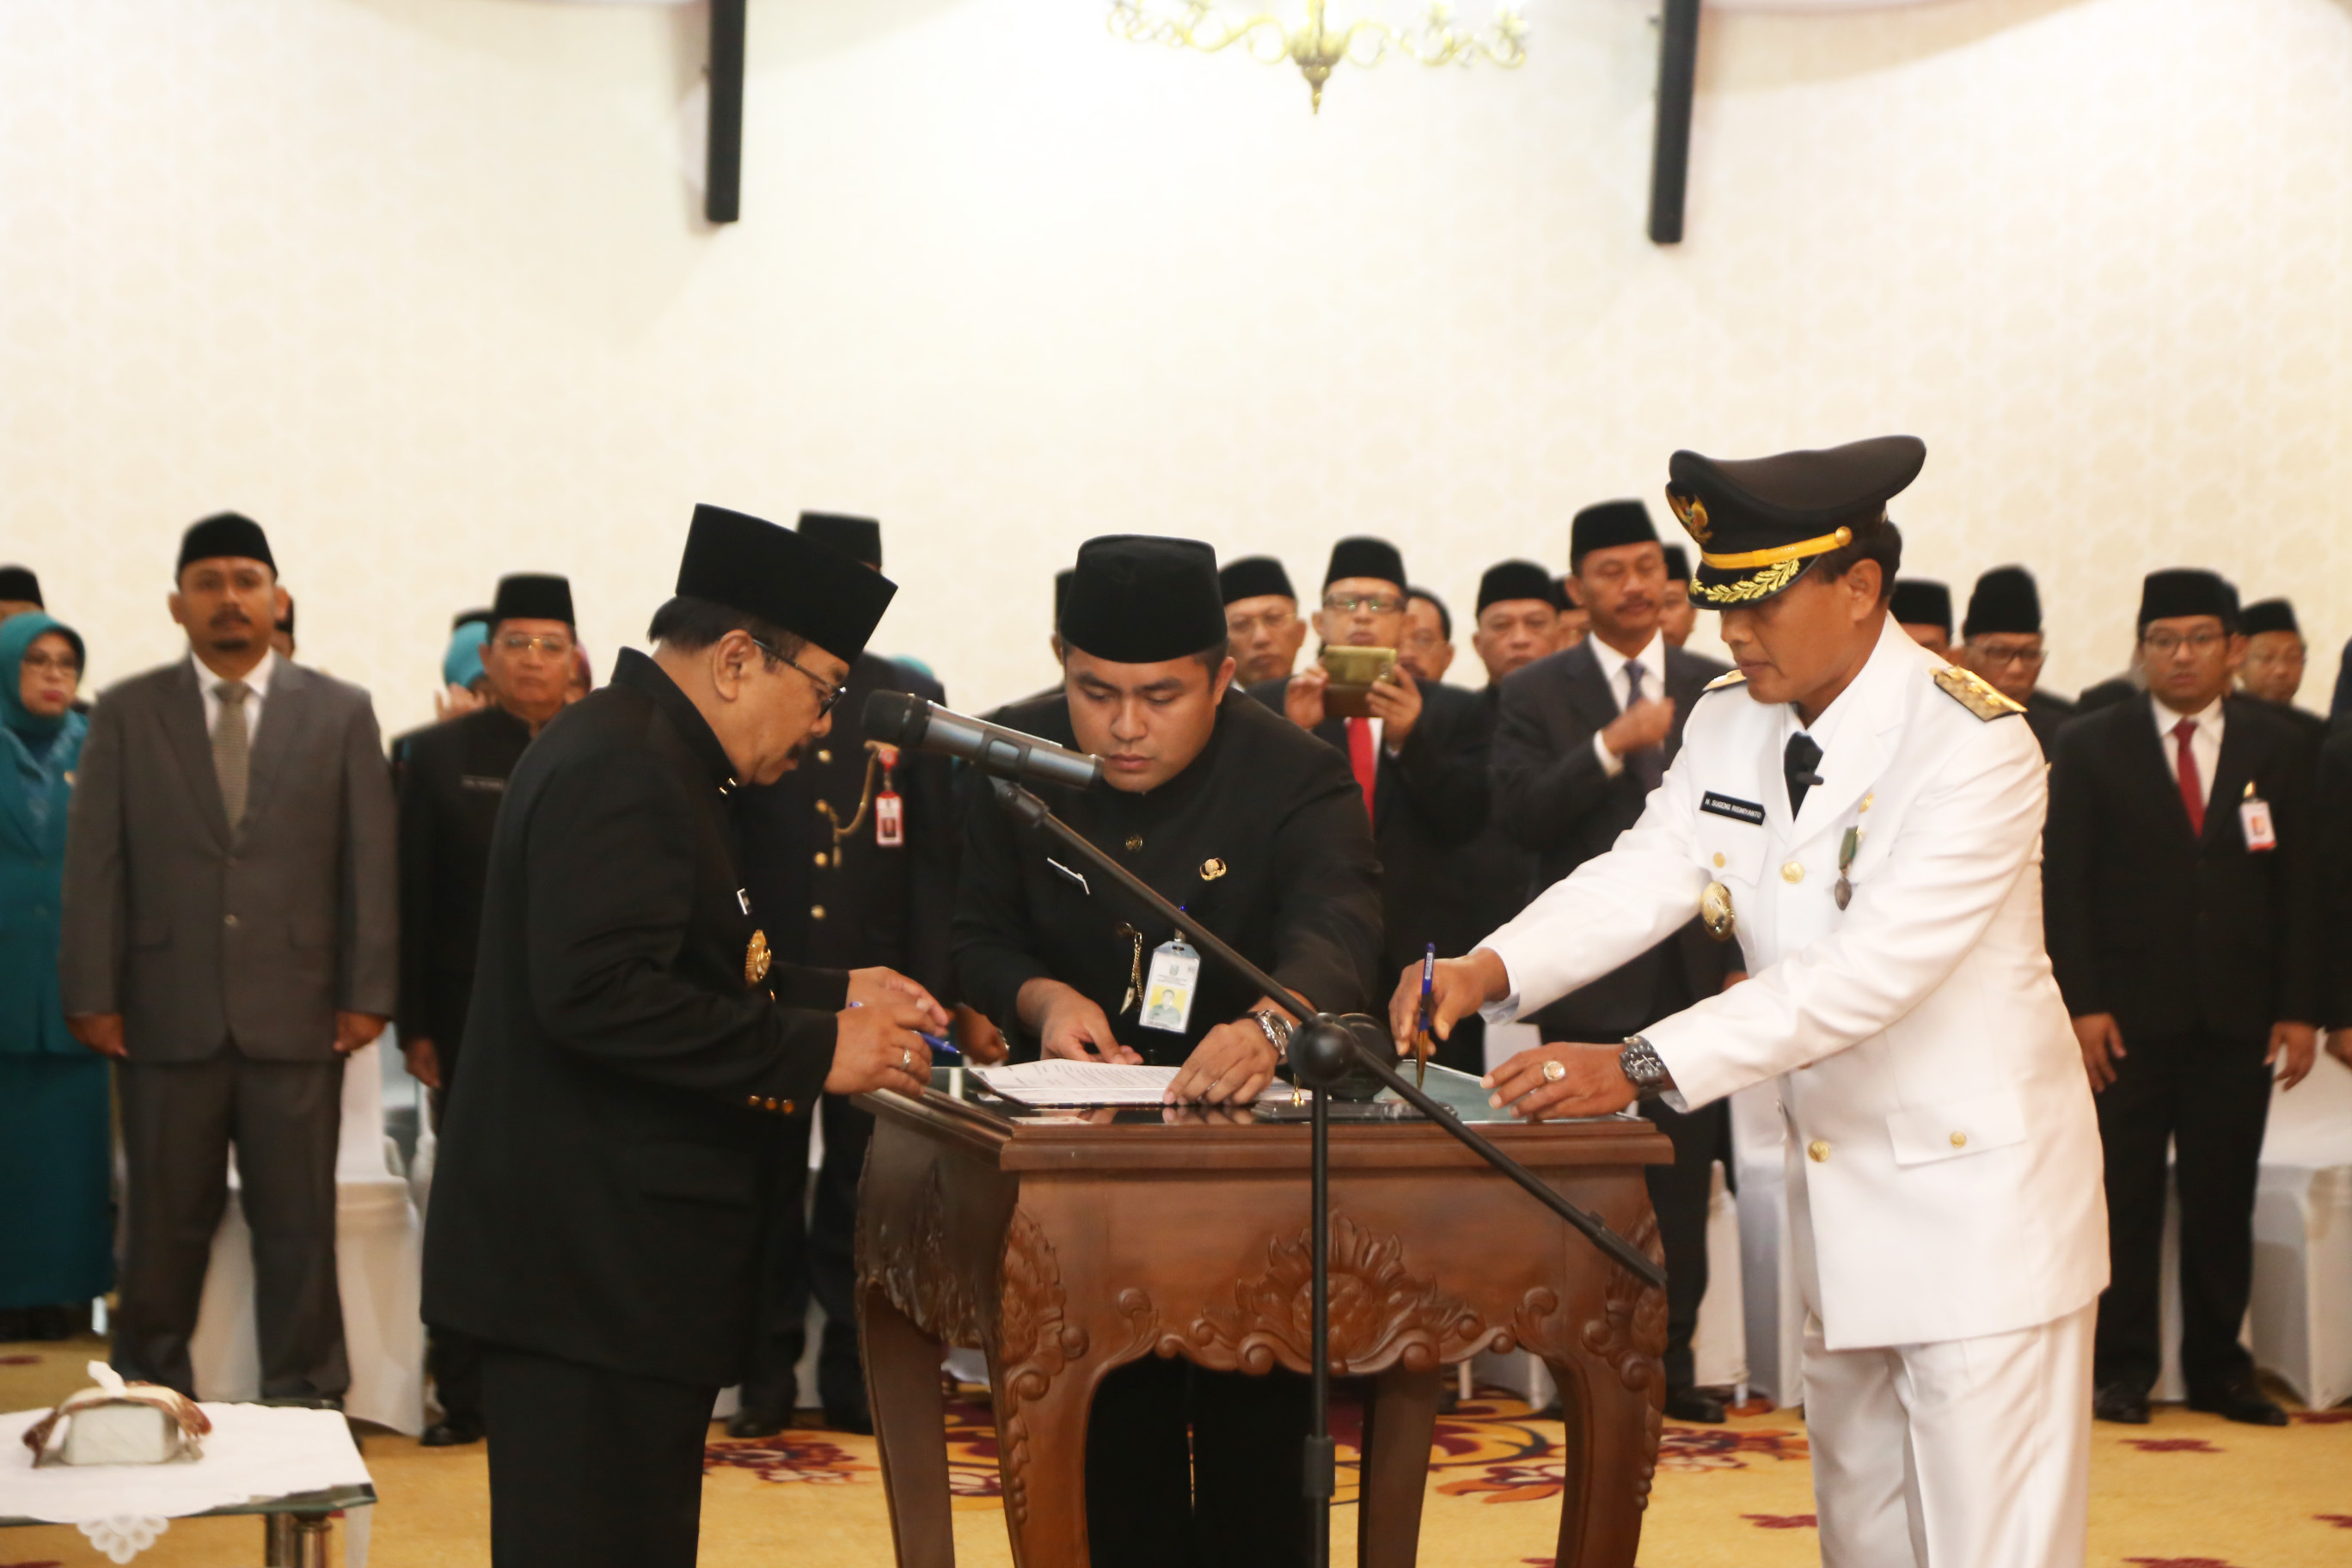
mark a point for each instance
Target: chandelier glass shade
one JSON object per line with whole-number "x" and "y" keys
{"x": 1315, "y": 44}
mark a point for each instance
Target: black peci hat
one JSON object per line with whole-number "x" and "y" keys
{"x": 1605, "y": 525}
{"x": 1362, "y": 557}
{"x": 1921, "y": 602}
{"x": 18, "y": 583}
{"x": 224, "y": 534}
{"x": 533, "y": 596}
{"x": 1062, "y": 579}
{"x": 2187, "y": 591}
{"x": 2003, "y": 601}
{"x": 751, "y": 565}
{"x": 1512, "y": 580}
{"x": 1255, "y": 577}
{"x": 1758, "y": 523}
{"x": 1139, "y": 599}
{"x": 484, "y": 615}
{"x": 1677, "y": 563}
{"x": 2268, "y": 615}
{"x": 859, "y": 537}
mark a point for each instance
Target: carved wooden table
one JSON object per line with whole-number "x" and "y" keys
{"x": 1064, "y": 1245}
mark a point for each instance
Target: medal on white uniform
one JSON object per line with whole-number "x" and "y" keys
{"x": 1168, "y": 989}
{"x": 2254, "y": 818}
{"x": 1715, "y": 912}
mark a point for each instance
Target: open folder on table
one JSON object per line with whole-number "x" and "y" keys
{"x": 1058, "y": 1081}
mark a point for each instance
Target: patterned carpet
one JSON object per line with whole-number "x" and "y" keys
{"x": 2189, "y": 1491}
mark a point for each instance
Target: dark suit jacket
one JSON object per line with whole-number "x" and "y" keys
{"x": 881, "y": 905}
{"x": 2334, "y": 878}
{"x": 452, "y": 777}
{"x": 1429, "y": 801}
{"x": 604, "y": 1178}
{"x": 1552, "y": 795}
{"x": 1262, "y": 838}
{"x": 2169, "y": 931}
{"x": 2045, "y": 715}
{"x": 196, "y": 934}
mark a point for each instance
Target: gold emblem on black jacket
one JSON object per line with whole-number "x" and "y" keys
{"x": 756, "y": 958}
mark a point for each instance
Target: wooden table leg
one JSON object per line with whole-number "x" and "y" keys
{"x": 1041, "y": 1437}
{"x": 902, "y": 1385}
{"x": 1400, "y": 1416}
{"x": 1612, "y": 1443}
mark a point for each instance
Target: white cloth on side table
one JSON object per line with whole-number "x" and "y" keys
{"x": 378, "y": 1268}
{"x": 253, "y": 1452}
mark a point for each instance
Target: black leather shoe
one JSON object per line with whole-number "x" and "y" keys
{"x": 52, "y": 1324}
{"x": 2119, "y": 1403}
{"x": 15, "y": 1325}
{"x": 2240, "y": 1402}
{"x": 752, "y": 1422}
{"x": 452, "y": 1432}
{"x": 1691, "y": 1405}
{"x": 855, "y": 1418}
{"x": 1449, "y": 1397}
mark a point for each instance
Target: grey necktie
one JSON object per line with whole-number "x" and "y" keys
{"x": 232, "y": 748}
{"x": 1648, "y": 764}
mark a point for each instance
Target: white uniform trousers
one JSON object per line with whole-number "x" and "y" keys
{"x": 1957, "y": 1454}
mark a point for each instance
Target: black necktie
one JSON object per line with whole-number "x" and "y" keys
{"x": 1798, "y": 762}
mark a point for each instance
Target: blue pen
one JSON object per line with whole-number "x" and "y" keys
{"x": 1423, "y": 1045}
{"x": 937, "y": 1042}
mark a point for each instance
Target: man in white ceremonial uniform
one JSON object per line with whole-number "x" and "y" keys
{"x": 1865, "y": 821}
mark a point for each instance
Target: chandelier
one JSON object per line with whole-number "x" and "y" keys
{"x": 1317, "y": 45}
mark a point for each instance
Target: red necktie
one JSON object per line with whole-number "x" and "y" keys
{"x": 1362, "y": 758}
{"x": 2192, "y": 792}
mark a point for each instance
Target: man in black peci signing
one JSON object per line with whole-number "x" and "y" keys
{"x": 604, "y": 1179}
{"x": 1257, "y": 829}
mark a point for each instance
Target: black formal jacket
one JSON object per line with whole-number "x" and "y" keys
{"x": 1551, "y": 794}
{"x": 451, "y": 778}
{"x": 2045, "y": 715}
{"x": 603, "y": 1179}
{"x": 1429, "y": 802}
{"x": 1262, "y": 839}
{"x": 883, "y": 904}
{"x": 2334, "y": 878}
{"x": 2168, "y": 932}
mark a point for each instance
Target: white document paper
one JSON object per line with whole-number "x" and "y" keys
{"x": 1059, "y": 1081}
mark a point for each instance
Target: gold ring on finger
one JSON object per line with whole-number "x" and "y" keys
{"x": 1555, "y": 1071}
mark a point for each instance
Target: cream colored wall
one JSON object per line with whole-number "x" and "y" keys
{"x": 417, "y": 283}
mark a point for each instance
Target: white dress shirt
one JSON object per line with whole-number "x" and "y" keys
{"x": 1652, "y": 660}
{"x": 2205, "y": 745}
{"x": 257, "y": 696}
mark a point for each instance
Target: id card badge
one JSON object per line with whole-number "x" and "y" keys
{"x": 1168, "y": 989}
{"x": 2254, "y": 817}
{"x": 889, "y": 820}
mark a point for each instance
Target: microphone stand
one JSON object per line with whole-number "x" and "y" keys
{"x": 1325, "y": 1050}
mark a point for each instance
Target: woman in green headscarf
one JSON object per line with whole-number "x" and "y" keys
{"x": 57, "y": 1224}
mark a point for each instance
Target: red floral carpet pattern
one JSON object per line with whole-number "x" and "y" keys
{"x": 2172, "y": 1446}
{"x": 1516, "y": 1461}
{"x": 1783, "y": 1520}
{"x": 789, "y": 1455}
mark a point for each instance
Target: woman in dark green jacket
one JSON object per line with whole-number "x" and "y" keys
{"x": 56, "y": 1223}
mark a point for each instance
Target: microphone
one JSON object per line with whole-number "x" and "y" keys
{"x": 919, "y": 724}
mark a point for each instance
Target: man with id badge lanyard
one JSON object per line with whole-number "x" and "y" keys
{"x": 1259, "y": 830}
{"x": 2183, "y": 925}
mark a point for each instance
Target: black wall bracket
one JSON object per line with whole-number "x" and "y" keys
{"x": 1670, "y": 160}
{"x": 722, "y": 185}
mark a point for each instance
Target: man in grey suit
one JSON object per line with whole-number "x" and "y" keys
{"x": 1580, "y": 740}
{"x": 230, "y": 937}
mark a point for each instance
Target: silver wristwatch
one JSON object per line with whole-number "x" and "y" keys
{"x": 1640, "y": 1063}
{"x": 1277, "y": 1030}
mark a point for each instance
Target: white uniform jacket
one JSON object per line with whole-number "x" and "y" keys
{"x": 1944, "y": 1159}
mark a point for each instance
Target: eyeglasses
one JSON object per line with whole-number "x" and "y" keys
{"x": 2164, "y": 645}
{"x": 1271, "y": 621}
{"x": 518, "y": 645}
{"x": 2033, "y": 653}
{"x": 1369, "y": 606}
{"x": 65, "y": 665}
{"x": 833, "y": 694}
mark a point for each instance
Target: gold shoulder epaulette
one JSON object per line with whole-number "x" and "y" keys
{"x": 1976, "y": 694}
{"x": 1729, "y": 678}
